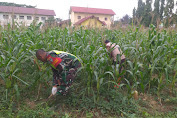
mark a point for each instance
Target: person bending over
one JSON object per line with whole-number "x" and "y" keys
{"x": 114, "y": 52}
{"x": 64, "y": 66}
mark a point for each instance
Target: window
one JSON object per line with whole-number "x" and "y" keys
{"x": 21, "y": 17}
{"x": 43, "y": 18}
{"x": 78, "y": 17}
{"x": 37, "y": 18}
{"x": 6, "y": 16}
{"x": 29, "y": 18}
{"x": 105, "y": 19}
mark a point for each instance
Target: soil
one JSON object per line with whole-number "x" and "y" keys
{"x": 30, "y": 104}
{"x": 2, "y": 81}
{"x": 154, "y": 104}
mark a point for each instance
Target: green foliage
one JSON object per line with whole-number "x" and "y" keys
{"x": 126, "y": 19}
{"x": 162, "y": 7}
{"x": 151, "y": 63}
{"x": 164, "y": 115}
{"x": 163, "y": 12}
{"x": 157, "y": 7}
{"x": 26, "y": 112}
{"x": 140, "y": 10}
{"x": 169, "y": 7}
{"x": 16, "y": 5}
{"x": 156, "y": 12}
{"x": 112, "y": 103}
{"x": 147, "y": 16}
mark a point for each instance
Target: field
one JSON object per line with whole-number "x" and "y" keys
{"x": 150, "y": 69}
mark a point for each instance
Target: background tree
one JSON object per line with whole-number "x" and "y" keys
{"x": 140, "y": 9}
{"x": 176, "y": 5}
{"x": 16, "y": 5}
{"x": 156, "y": 12}
{"x": 126, "y": 19}
{"x": 168, "y": 13}
{"x": 134, "y": 16}
{"x": 147, "y": 13}
{"x": 50, "y": 21}
{"x": 162, "y": 7}
{"x": 58, "y": 20}
{"x": 169, "y": 8}
{"x": 163, "y": 12}
{"x": 140, "y": 12}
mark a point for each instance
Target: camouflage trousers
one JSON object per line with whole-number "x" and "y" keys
{"x": 65, "y": 79}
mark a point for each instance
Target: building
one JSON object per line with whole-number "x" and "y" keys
{"x": 91, "y": 21}
{"x": 94, "y": 17}
{"x": 64, "y": 23}
{"x": 23, "y": 15}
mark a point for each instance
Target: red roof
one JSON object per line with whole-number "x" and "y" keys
{"x": 92, "y": 10}
{"x": 24, "y": 10}
{"x": 84, "y": 19}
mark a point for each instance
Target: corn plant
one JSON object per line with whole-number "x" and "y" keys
{"x": 150, "y": 58}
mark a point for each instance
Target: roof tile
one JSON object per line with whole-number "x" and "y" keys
{"x": 24, "y": 10}
{"x": 92, "y": 10}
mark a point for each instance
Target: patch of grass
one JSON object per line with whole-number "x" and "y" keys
{"x": 164, "y": 115}
{"x": 111, "y": 103}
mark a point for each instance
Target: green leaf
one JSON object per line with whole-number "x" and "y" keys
{"x": 20, "y": 80}
{"x": 8, "y": 83}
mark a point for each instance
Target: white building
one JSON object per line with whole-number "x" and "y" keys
{"x": 23, "y": 15}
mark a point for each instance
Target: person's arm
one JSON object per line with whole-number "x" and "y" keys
{"x": 57, "y": 74}
{"x": 111, "y": 55}
{"x": 55, "y": 77}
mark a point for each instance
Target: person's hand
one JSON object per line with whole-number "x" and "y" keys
{"x": 54, "y": 90}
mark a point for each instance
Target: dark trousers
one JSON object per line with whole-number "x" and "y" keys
{"x": 120, "y": 68}
{"x": 120, "y": 64}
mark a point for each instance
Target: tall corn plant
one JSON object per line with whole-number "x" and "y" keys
{"x": 17, "y": 56}
{"x": 150, "y": 56}
{"x": 90, "y": 49}
{"x": 12, "y": 56}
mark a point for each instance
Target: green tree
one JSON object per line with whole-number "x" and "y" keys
{"x": 126, "y": 19}
{"x": 16, "y": 5}
{"x": 140, "y": 12}
{"x": 162, "y": 7}
{"x": 134, "y": 16}
{"x": 156, "y": 12}
{"x": 147, "y": 14}
{"x": 157, "y": 7}
{"x": 176, "y": 5}
{"x": 169, "y": 8}
{"x": 134, "y": 12}
{"x": 140, "y": 9}
{"x": 169, "y": 13}
{"x": 50, "y": 21}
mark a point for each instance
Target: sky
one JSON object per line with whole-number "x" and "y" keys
{"x": 61, "y": 7}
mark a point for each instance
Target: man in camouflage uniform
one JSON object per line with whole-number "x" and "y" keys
{"x": 64, "y": 66}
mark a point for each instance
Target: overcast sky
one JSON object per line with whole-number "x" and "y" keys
{"x": 61, "y": 7}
